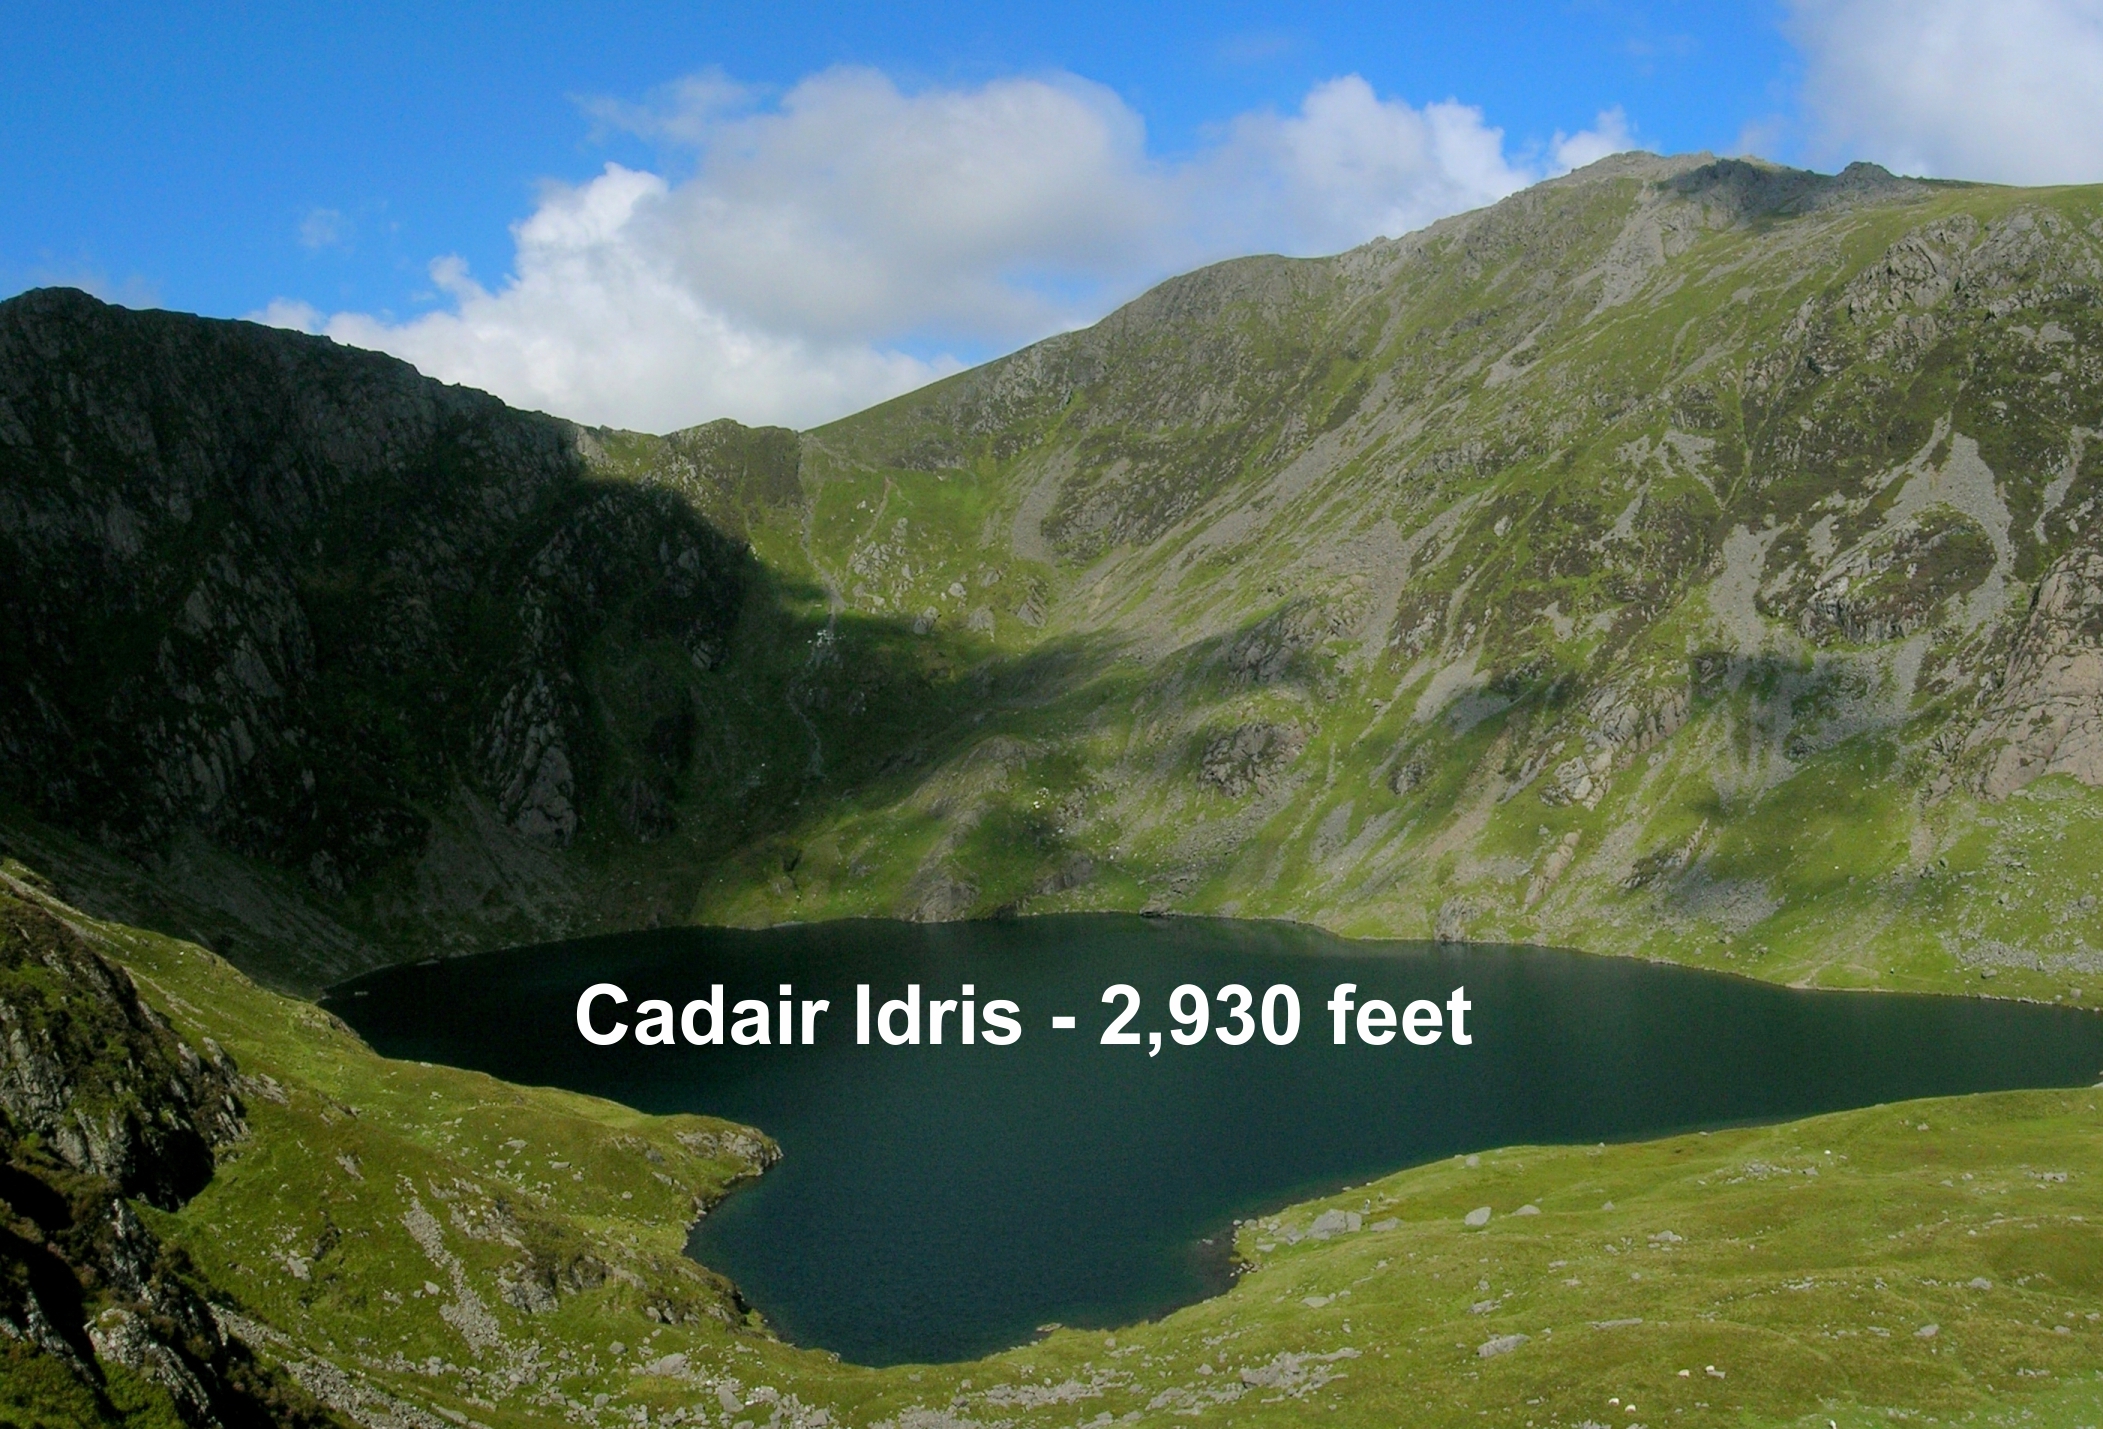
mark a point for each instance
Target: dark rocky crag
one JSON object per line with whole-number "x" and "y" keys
{"x": 295, "y": 598}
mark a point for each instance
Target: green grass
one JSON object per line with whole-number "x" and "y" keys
{"x": 37, "y": 1392}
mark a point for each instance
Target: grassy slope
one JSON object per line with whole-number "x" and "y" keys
{"x": 1827, "y": 838}
{"x": 1802, "y": 1261}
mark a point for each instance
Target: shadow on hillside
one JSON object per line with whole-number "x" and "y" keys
{"x": 818, "y": 712}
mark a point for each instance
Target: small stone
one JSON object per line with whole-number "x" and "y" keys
{"x": 1501, "y": 1345}
{"x": 1478, "y": 1217}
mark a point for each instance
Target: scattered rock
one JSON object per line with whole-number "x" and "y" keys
{"x": 1333, "y": 1222}
{"x": 1552, "y": 867}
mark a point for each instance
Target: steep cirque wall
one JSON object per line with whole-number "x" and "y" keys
{"x": 298, "y": 602}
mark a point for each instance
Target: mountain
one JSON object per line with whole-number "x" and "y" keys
{"x": 1684, "y": 557}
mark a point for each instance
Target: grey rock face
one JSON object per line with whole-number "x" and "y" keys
{"x": 2049, "y": 717}
{"x": 733, "y": 1143}
{"x": 121, "y": 1337}
{"x": 286, "y": 592}
{"x": 1249, "y": 758}
{"x": 100, "y": 1100}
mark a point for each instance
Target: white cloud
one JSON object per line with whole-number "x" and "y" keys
{"x": 599, "y": 323}
{"x": 852, "y": 209}
{"x": 1610, "y": 134}
{"x": 1348, "y": 167}
{"x": 2006, "y": 90}
{"x": 824, "y": 238}
{"x": 290, "y": 312}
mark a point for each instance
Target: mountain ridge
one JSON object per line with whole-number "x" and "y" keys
{"x": 1543, "y": 574}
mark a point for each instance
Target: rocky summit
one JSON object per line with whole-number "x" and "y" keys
{"x": 1685, "y": 557}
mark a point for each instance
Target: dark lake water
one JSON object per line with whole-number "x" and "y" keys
{"x": 939, "y": 1202}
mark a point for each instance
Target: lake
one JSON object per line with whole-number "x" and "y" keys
{"x": 939, "y": 1202}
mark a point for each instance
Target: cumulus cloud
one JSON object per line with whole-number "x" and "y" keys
{"x": 1609, "y": 134}
{"x": 2006, "y": 90}
{"x": 1347, "y": 167}
{"x": 826, "y": 242}
{"x": 600, "y": 323}
{"x": 853, "y": 209}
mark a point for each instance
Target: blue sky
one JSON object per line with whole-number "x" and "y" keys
{"x": 811, "y": 206}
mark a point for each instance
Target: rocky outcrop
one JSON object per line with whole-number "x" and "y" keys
{"x": 95, "y": 1076}
{"x": 1633, "y": 721}
{"x": 1899, "y": 580}
{"x": 1620, "y": 724}
{"x": 1250, "y": 758}
{"x": 2048, "y": 718}
{"x": 100, "y": 1102}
